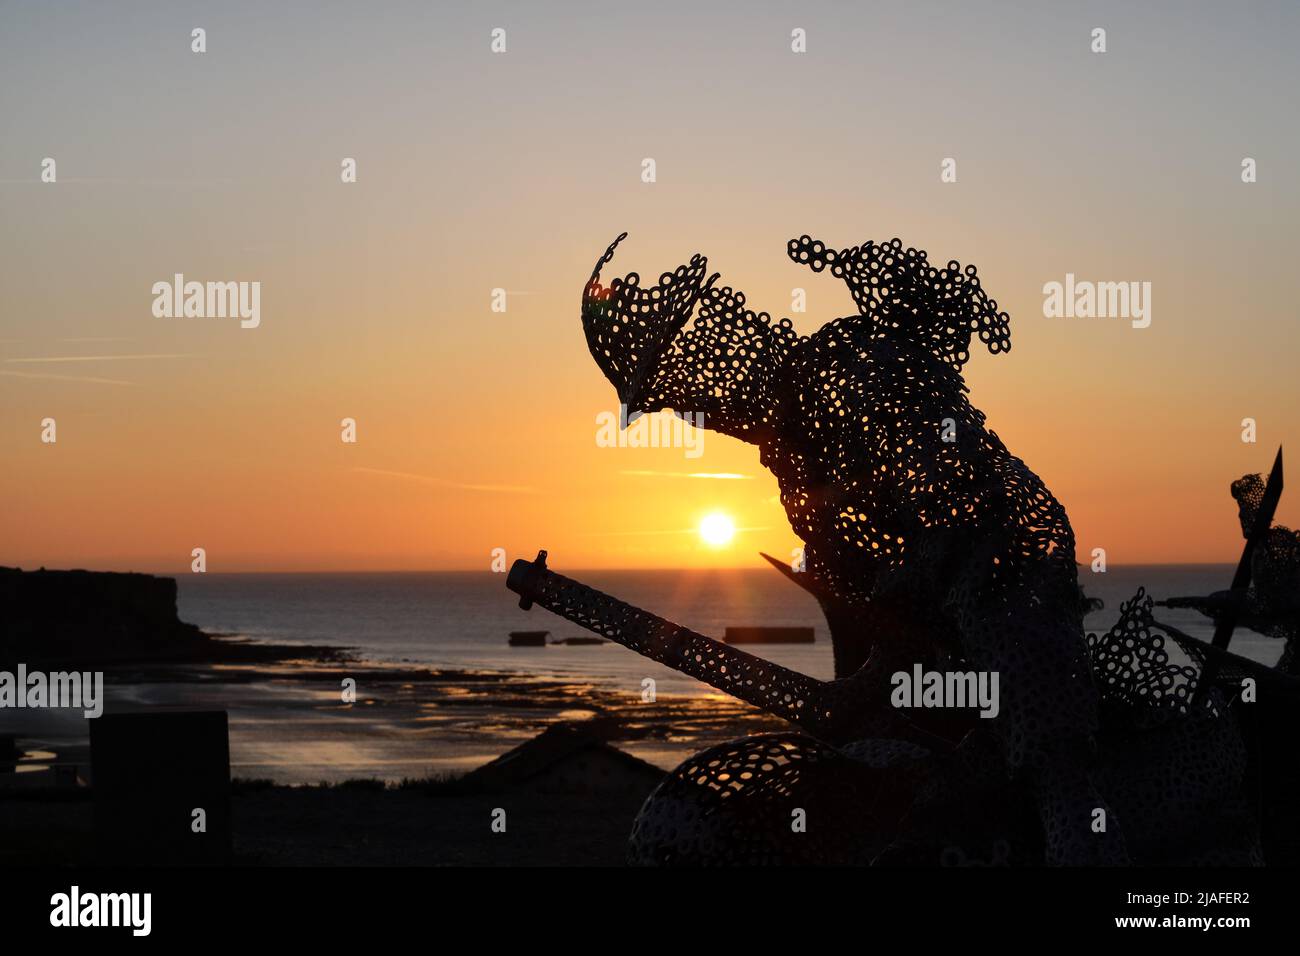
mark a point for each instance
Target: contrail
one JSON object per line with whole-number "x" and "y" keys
{"x": 505, "y": 489}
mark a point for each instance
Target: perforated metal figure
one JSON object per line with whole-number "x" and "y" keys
{"x": 926, "y": 540}
{"x": 1271, "y": 605}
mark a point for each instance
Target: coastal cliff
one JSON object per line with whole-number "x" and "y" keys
{"x": 100, "y": 617}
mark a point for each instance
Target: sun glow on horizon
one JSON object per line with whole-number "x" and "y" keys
{"x": 717, "y": 529}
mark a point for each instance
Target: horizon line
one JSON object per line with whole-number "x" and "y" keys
{"x": 575, "y": 568}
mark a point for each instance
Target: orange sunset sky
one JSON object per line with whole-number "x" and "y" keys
{"x": 479, "y": 171}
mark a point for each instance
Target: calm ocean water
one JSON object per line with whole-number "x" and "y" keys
{"x": 462, "y": 619}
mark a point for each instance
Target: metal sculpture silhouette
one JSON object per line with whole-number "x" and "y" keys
{"x": 918, "y": 524}
{"x": 926, "y": 543}
{"x": 1265, "y": 592}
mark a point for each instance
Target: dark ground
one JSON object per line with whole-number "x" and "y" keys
{"x": 357, "y": 825}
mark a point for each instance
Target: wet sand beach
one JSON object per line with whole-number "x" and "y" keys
{"x": 290, "y": 724}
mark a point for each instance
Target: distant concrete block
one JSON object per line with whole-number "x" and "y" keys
{"x": 528, "y": 638}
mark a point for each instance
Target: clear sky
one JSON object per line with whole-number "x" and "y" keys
{"x": 476, "y": 430}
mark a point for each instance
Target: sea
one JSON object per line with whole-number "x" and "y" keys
{"x": 463, "y": 619}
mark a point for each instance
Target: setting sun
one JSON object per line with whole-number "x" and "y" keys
{"x": 717, "y": 529}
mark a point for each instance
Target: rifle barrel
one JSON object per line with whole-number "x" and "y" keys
{"x": 798, "y": 698}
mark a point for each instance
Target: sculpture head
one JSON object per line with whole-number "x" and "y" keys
{"x": 1248, "y": 490}
{"x": 693, "y": 346}
{"x": 686, "y": 344}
